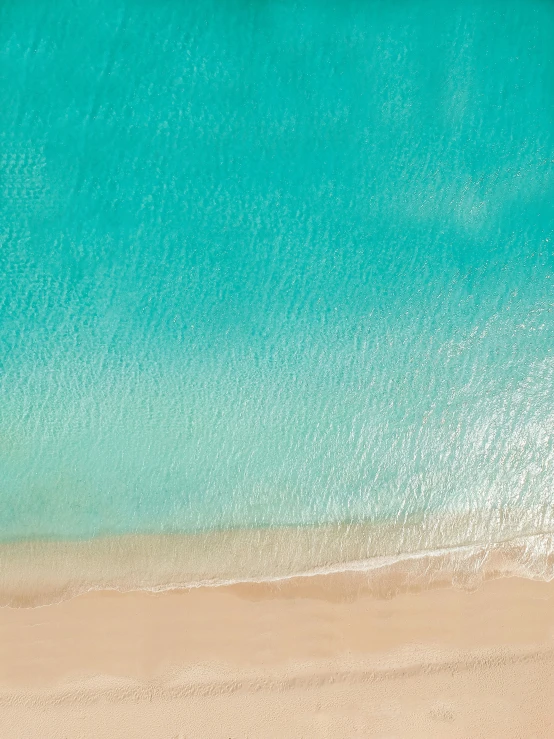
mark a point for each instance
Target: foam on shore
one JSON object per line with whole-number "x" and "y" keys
{"x": 461, "y": 549}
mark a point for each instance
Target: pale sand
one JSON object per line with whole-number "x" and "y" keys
{"x": 312, "y": 657}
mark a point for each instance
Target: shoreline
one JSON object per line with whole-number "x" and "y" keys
{"x": 416, "y": 554}
{"x": 324, "y": 656}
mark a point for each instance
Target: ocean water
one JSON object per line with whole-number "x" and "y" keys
{"x": 273, "y": 264}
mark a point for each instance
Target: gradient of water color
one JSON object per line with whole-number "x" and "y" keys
{"x": 274, "y": 263}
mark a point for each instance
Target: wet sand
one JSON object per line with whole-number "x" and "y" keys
{"x": 387, "y": 556}
{"x": 308, "y": 657}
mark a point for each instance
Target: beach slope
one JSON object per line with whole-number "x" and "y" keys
{"x": 307, "y": 657}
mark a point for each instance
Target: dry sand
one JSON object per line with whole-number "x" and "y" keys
{"x": 312, "y": 657}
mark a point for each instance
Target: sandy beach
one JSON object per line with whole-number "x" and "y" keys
{"x": 307, "y": 657}
{"x": 277, "y": 369}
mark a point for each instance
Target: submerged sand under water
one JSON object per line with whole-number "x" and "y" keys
{"x": 457, "y": 549}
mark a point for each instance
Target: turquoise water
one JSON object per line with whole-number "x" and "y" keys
{"x": 269, "y": 263}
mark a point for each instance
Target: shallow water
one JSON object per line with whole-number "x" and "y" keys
{"x": 271, "y": 264}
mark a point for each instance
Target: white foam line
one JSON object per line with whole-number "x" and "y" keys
{"x": 365, "y": 565}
